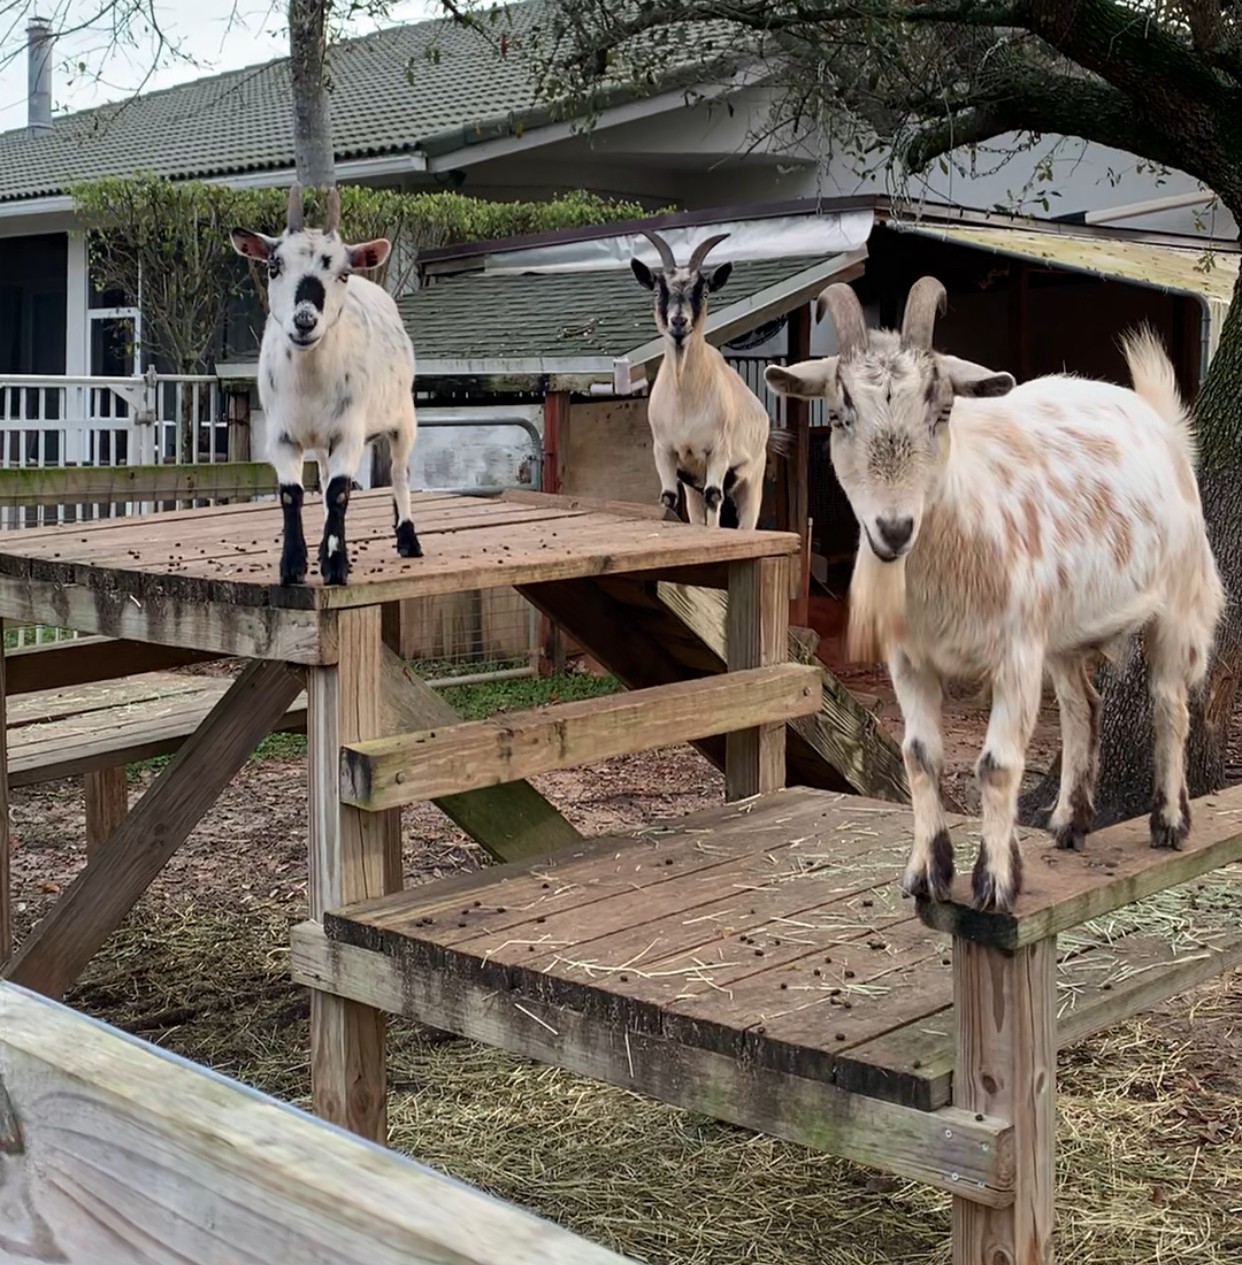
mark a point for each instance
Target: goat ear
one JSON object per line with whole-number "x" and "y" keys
{"x": 719, "y": 277}
{"x": 643, "y": 273}
{"x": 971, "y": 379}
{"x": 808, "y": 380}
{"x": 369, "y": 254}
{"x": 252, "y": 245}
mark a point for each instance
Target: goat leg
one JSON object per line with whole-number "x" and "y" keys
{"x": 286, "y": 457}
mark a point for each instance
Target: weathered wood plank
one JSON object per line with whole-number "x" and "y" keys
{"x": 117, "y": 1153}
{"x": 387, "y": 772}
{"x": 757, "y": 636}
{"x": 513, "y": 821}
{"x": 1005, "y": 1009}
{"x": 78, "y": 485}
{"x": 1118, "y": 867}
{"x": 592, "y": 504}
{"x": 84, "y": 660}
{"x": 354, "y": 855}
{"x": 53, "y": 955}
{"x": 911, "y": 1143}
{"x": 295, "y": 636}
{"x": 107, "y": 801}
{"x": 843, "y": 732}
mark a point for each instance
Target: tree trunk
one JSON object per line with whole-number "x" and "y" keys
{"x": 312, "y": 114}
{"x": 1126, "y": 768}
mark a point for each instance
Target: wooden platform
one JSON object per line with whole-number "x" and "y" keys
{"x": 773, "y": 933}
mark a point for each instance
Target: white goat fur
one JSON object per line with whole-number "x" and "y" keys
{"x": 352, "y": 382}
{"x": 709, "y": 430}
{"x": 1050, "y": 524}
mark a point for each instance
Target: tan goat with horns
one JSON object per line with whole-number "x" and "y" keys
{"x": 1008, "y": 531}
{"x": 709, "y": 430}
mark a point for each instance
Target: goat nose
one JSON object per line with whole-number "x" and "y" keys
{"x": 304, "y": 320}
{"x": 895, "y": 532}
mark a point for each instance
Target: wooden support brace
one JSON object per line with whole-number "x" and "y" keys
{"x": 107, "y": 802}
{"x": 386, "y": 772}
{"x": 511, "y": 822}
{"x": 123, "y": 867}
{"x": 1005, "y": 1008}
{"x": 354, "y": 855}
{"x": 758, "y": 629}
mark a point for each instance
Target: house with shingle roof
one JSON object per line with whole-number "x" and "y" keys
{"x": 434, "y": 104}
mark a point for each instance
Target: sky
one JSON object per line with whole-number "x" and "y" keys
{"x": 217, "y": 34}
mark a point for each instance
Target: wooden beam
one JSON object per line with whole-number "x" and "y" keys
{"x": 511, "y": 822}
{"x": 118, "y": 1153}
{"x": 1118, "y": 867}
{"x": 843, "y": 733}
{"x": 223, "y": 628}
{"x": 80, "y": 485}
{"x": 107, "y": 802}
{"x": 568, "y": 501}
{"x": 82, "y": 660}
{"x": 797, "y": 466}
{"x": 354, "y": 856}
{"x": 123, "y": 867}
{"x": 409, "y": 768}
{"x": 1005, "y": 1009}
{"x": 758, "y": 636}
{"x": 925, "y": 1146}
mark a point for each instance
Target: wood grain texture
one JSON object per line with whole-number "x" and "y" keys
{"x": 430, "y": 763}
{"x": 843, "y": 733}
{"x": 925, "y": 1146}
{"x": 1118, "y": 867}
{"x": 512, "y": 821}
{"x": 354, "y": 855}
{"x": 60, "y": 664}
{"x": 1005, "y": 1006}
{"x": 757, "y": 636}
{"x": 131, "y": 1156}
{"x": 107, "y": 801}
{"x": 54, "y": 954}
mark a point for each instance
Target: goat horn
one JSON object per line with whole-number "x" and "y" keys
{"x": 334, "y": 211}
{"x": 700, "y": 251}
{"x": 847, "y": 317}
{"x": 295, "y": 217}
{"x": 926, "y": 298}
{"x": 666, "y": 253}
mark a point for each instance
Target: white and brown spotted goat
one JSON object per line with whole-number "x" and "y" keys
{"x": 1008, "y": 530}
{"x": 336, "y": 369}
{"x": 709, "y": 430}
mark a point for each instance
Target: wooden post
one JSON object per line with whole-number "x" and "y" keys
{"x": 354, "y": 855}
{"x": 1005, "y": 1009}
{"x": 556, "y": 407}
{"x": 6, "y": 895}
{"x": 757, "y": 636}
{"x": 107, "y": 803}
{"x": 239, "y": 424}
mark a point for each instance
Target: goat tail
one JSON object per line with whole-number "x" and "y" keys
{"x": 781, "y": 442}
{"x": 1155, "y": 383}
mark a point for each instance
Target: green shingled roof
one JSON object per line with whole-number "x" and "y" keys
{"x": 554, "y": 315}
{"x": 390, "y": 94}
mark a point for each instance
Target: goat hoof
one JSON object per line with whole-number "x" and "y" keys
{"x": 293, "y": 566}
{"x": 668, "y": 500}
{"x": 712, "y": 498}
{"x": 1166, "y": 833}
{"x": 934, "y": 880}
{"x": 407, "y": 541}
{"x": 992, "y": 893}
{"x": 1070, "y": 838}
{"x": 333, "y": 560}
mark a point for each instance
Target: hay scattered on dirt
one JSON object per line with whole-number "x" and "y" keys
{"x": 1150, "y": 1131}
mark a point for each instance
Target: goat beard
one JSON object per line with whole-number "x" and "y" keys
{"x": 877, "y": 606}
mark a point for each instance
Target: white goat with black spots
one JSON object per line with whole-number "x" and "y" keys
{"x": 709, "y": 430}
{"x": 1007, "y": 531}
{"x": 336, "y": 369}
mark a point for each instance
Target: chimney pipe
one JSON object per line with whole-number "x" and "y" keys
{"x": 39, "y": 41}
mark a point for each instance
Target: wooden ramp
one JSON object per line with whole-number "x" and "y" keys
{"x": 762, "y": 953}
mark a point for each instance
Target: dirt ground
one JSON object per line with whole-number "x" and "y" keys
{"x": 1150, "y": 1166}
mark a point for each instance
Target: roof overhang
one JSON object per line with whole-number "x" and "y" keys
{"x": 633, "y": 369}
